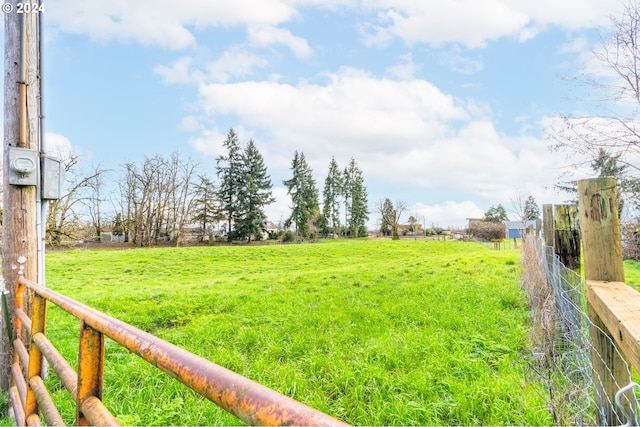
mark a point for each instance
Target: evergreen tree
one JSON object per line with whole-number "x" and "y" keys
{"x": 207, "y": 207}
{"x": 496, "y": 214}
{"x": 304, "y": 196}
{"x": 118, "y": 225}
{"x": 606, "y": 164}
{"x": 333, "y": 188}
{"x": 254, "y": 193}
{"x": 531, "y": 210}
{"x": 229, "y": 168}
{"x": 356, "y": 199}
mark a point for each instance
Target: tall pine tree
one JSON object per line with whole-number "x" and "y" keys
{"x": 254, "y": 193}
{"x": 333, "y": 188}
{"x": 304, "y": 196}
{"x": 355, "y": 194}
{"x": 229, "y": 168}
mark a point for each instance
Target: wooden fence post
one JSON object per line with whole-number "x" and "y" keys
{"x": 547, "y": 221}
{"x": 566, "y": 235}
{"x": 601, "y": 237}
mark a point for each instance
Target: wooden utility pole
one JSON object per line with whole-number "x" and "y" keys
{"x": 600, "y": 226}
{"x": 22, "y": 131}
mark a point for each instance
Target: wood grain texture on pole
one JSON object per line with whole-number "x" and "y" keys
{"x": 19, "y": 202}
{"x": 600, "y": 227}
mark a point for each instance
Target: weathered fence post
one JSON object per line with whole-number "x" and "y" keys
{"x": 601, "y": 237}
{"x": 547, "y": 220}
{"x": 566, "y": 235}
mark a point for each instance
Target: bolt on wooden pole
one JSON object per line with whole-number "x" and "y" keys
{"x": 600, "y": 227}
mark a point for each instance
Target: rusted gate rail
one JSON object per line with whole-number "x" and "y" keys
{"x": 251, "y": 402}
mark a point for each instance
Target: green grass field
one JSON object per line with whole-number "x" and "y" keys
{"x": 374, "y": 332}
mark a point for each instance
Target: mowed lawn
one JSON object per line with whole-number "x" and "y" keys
{"x": 374, "y": 332}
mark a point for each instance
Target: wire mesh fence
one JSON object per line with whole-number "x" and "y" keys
{"x": 563, "y": 345}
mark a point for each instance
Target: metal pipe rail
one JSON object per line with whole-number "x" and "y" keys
{"x": 248, "y": 400}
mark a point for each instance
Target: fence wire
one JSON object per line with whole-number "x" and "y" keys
{"x": 564, "y": 350}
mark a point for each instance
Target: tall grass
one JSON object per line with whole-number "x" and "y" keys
{"x": 374, "y": 332}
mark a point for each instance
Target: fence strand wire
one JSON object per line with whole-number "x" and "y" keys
{"x": 563, "y": 337}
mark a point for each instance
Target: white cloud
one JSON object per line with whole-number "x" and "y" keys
{"x": 268, "y": 36}
{"x": 171, "y": 24}
{"x": 209, "y": 142}
{"x": 473, "y": 24}
{"x": 179, "y": 72}
{"x": 405, "y": 69}
{"x": 460, "y": 62}
{"x": 234, "y": 62}
{"x": 353, "y": 112}
{"x": 163, "y": 23}
{"x": 58, "y": 145}
{"x": 407, "y": 134}
{"x": 577, "y": 45}
{"x": 433, "y": 22}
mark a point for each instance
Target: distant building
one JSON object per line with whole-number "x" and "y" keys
{"x": 515, "y": 229}
{"x": 109, "y": 237}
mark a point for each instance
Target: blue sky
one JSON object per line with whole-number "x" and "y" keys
{"x": 443, "y": 104}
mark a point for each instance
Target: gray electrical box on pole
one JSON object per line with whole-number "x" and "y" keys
{"x": 23, "y": 166}
{"x": 52, "y": 173}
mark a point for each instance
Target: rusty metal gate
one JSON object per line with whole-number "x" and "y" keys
{"x": 251, "y": 402}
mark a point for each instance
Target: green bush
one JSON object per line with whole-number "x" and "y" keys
{"x": 288, "y": 237}
{"x": 275, "y": 234}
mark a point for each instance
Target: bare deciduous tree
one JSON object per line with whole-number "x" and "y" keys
{"x": 64, "y": 216}
{"x": 157, "y": 199}
{"x": 614, "y": 129}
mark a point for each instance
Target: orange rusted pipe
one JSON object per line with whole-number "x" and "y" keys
{"x": 90, "y": 368}
{"x": 38, "y": 323}
{"x": 34, "y": 420}
{"x": 45, "y": 404}
{"x": 97, "y": 414}
{"x": 19, "y": 382}
{"x": 26, "y": 322}
{"x": 248, "y": 400}
{"x": 16, "y": 404}
{"x": 22, "y": 353}
{"x": 61, "y": 367}
{"x": 19, "y": 305}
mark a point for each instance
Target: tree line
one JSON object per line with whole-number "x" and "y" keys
{"x": 169, "y": 199}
